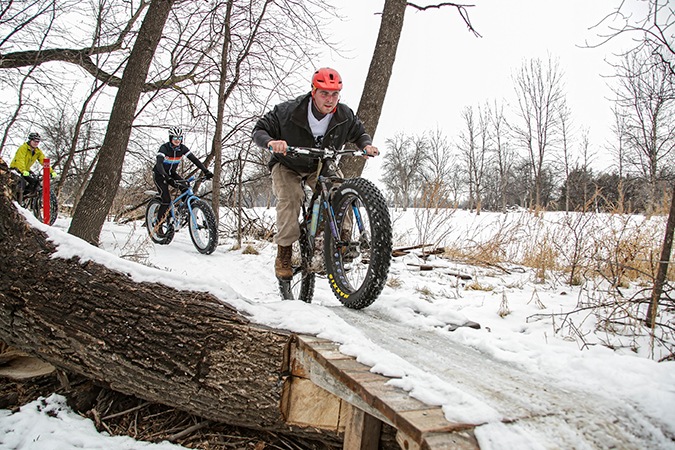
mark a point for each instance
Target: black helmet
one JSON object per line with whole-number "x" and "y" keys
{"x": 34, "y": 136}
{"x": 175, "y": 132}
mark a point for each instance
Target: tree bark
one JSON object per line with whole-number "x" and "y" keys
{"x": 96, "y": 201}
{"x": 185, "y": 349}
{"x": 377, "y": 80}
{"x": 666, "y": 250}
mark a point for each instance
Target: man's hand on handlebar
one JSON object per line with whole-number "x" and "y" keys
{"x": 370, "y": 150}
{"x": 278, "y": 146}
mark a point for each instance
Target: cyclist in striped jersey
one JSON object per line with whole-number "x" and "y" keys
{"x": 165, "y": 172}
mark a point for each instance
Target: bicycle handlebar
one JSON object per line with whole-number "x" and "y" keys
{"x": 322, "y": 153}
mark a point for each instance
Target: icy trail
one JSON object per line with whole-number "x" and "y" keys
{"x": 529, "y": 387}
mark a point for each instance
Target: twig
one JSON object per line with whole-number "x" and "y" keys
{"x": 135, "y": 408}
{"x": 461, "y": 276}
{"x": 403, "y": 249}
{"x": 423, "y": 266}
{"x": 189, "y": 430}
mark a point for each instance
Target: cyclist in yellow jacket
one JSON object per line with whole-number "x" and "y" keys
{"x": 24, "y": 159}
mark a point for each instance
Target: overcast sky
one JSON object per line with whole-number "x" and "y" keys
{"x": 441, "y": 67}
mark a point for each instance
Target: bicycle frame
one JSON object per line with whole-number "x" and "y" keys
{"x": 183, "y": 197}
{"x": 324, "y": 192}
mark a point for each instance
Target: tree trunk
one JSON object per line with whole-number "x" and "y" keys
{"x": 183, "y": 349}
{"x": 377, "y": 81}
{"x": 666, "y": 250}
{"x": 96, "y": 201}
{"x": 217, "y": 144}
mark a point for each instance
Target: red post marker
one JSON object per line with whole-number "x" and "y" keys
{"x": 45, "y": 190}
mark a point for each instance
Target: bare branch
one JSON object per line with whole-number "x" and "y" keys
{"x": 460, "y": 8}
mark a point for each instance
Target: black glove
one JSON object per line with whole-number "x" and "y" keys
{"x": 171, "y": 182}
{"x": 208, "y": 174}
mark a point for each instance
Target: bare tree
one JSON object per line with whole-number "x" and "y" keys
{"x": 565, "y": 118}
{"x": 539, "y": 88}
{"x": 654, "y": 36}
{"x": 618, "y": 148}
{"x": 473, "y": 146}
{"x": 503, "y": 153}
{"x": 438, "y": 159}
{"x": 402, "y": 166}
{"x": 646, "y": 101}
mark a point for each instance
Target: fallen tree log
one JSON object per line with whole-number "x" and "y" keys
{"x": 183, "y": 349}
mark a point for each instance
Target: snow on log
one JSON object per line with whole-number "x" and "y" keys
{"x": 178, "y": 348}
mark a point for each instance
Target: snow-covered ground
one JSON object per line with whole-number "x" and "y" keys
{"x": 529, "y": 380}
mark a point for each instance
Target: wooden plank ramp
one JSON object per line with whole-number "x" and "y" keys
{"x": 329, "y": 390}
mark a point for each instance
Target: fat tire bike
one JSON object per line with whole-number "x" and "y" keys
{"x": 186, "y": 209}
{"x": 32, "y": 201}
{"x": 356, "y": 235}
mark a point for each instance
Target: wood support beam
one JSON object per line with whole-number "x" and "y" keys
{"x": 347, "y": 382}
{"x": 362, "y": 431}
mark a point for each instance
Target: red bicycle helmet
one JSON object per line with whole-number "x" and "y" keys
{"x": 327, "y": 79}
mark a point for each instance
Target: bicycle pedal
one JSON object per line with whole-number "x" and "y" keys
{"x": 350, "y": 251}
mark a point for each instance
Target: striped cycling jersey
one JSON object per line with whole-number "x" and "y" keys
{"x": 172, "y": 155}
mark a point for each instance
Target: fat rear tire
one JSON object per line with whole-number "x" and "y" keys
{"x": 151, "y": 218}
{"x": 301, "y": 286}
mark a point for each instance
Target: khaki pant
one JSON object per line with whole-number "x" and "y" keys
{"x": 287, "y": 188}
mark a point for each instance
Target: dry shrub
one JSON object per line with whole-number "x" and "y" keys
{"x": 542, "y": 257}
{"x": 574, "y": 243}
{"x": 433, "y": 214}
{"x": 503, "y": 237}
{"x": 426, "y": 292}
{"x": 621, "y": 248}
{"x": 477, "y": 286}
{"x": 504, "y": 307}
{"x": 250, "y": 250}
{"x": 254, "y": 224}
{"x": 537, "y": 301}
{"x": 394, "y": 282}
{"x": 136, "y": 248}
{"x": 628, "y": 248}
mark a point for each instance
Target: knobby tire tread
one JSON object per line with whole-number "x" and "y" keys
{"x": 307, "y": 278}
{"x": 150, "y": 216}
{"x": 210, "y": 216}
{"x": 381, "y": 245}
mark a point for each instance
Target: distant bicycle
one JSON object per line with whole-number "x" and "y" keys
{"x": 186, "y": 209}
{"x": 355, "y": 254}
{"x": 32, "y": 201}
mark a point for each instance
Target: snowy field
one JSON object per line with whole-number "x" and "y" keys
{"x": 532, "y": 376}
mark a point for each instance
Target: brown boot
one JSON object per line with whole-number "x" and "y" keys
{"x": 282, "y": 265}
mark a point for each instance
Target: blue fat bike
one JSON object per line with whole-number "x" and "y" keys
{"x": 186, "y": 209}
{"x": 345, "y": 235}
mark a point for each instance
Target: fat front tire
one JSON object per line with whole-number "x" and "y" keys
{"x": 357, "y": 267}
{"x": 162, "y": 234}
{"x": 34, "y": 204}
{"x": 301, "y": 287}
{"x": 203, "y": 227}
